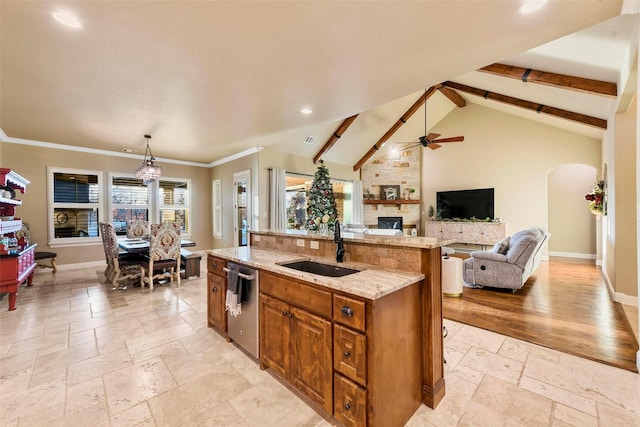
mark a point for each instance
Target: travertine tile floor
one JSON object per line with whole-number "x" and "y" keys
{"x": 76, "y": 353}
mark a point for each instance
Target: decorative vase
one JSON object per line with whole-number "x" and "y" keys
{"x": 323, "y": 229}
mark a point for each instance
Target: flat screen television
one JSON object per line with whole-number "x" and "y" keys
{"x": 465, "y": 204}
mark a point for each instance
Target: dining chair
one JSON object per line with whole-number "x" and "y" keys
{"x": 137, "y": 228}
{"x": 163, "y": 260}
{"x": 120, "y": 266}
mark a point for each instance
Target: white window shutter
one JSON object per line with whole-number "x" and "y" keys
{"x": 217, "y": 208}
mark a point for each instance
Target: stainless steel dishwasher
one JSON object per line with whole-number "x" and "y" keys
{"x": 243, "y": 329}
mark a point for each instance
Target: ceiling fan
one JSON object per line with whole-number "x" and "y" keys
{"x": 431, "y": 140}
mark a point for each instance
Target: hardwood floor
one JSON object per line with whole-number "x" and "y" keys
{"x": 565, "y": 305}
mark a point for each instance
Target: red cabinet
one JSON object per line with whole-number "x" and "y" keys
{"x": 17, "y": 258}
{"x": 15, "y": 270}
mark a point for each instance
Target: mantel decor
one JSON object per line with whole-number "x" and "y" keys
{"x": 389, "y": 192}
{"x": 148, "y": 171}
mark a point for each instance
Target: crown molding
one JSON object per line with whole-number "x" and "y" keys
{"x": 236, "y": 156}
{"x": 11, "y": 140}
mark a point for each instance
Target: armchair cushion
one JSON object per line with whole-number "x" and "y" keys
{"x": 501, "y": 247}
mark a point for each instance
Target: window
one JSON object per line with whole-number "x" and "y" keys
{"x": 74, "y": 210}
{"x": 129, "y": 199}
{"x": 297, "y": 195}
{"x": 174, "y": 202}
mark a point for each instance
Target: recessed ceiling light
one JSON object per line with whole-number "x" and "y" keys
{"x": 129, "y": 150}
{"x": 306, "y": 110}
{"x": 531, "y": 6}
{"x": 67, "y": 18}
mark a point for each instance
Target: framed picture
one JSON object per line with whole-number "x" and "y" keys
{"x": 390, "y": 192}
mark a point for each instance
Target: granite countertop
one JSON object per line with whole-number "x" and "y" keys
{"x": 371, "y": 239}
{"x": 370, "y": 282}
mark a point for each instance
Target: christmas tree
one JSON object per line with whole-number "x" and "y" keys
{"x": 322, "y": 201}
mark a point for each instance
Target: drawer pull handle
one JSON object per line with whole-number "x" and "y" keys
{"x": 347, "y": 353}
{"x": 284, "y": 313}
{"x": 347, "y": 311}
{"x": 347, "y": 406}
{"x": 290, "y": 315}
{"x": 215, "y": 265}
{"x": 214, "y": 289}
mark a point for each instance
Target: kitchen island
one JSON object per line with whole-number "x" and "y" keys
{"x": 365, "y": 348}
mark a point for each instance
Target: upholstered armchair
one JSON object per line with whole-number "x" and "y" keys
{"x": 120, "y": 266}
{"x": 510, "y": 263}
{"x": 163, "y": 260}
{"x": 137, "y": 228}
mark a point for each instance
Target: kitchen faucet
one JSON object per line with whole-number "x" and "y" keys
{"x": 338, "y": 239}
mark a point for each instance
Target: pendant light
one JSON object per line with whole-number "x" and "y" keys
{"x": 148, "y": 171}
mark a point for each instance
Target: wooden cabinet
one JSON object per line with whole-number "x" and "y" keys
{"x": 17, "y": 257}
{"x": 358, "y": 360}
{"x": 311, "y": 358}
{"x": 296, "y": 345}
{"x": 217, "y": 294}
{"x": 274, "y": 335}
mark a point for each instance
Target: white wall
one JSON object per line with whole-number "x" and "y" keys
{"x": 512, "y": 155}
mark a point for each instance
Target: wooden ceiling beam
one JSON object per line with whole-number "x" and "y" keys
{"x": 402, "y": 120}
{"x": 540, "y": 108}
{"x": 335, "y": 137}
{"x": 562, "y": 81}
{"x": 453, "y": 96}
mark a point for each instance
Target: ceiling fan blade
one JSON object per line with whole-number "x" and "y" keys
{"x": 434, "y": 146}
{"x": 452, "y": 139}
{"x": 432, "y": 136}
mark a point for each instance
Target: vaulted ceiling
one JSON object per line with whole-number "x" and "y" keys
{"x": 210, "y": 79}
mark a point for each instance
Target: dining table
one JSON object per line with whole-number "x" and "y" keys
{"x": 141, "y": 245}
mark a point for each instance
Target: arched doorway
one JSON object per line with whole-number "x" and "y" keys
{"x": 571, "y": 224}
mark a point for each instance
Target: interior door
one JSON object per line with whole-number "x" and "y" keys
{"x": 241, "y": 204}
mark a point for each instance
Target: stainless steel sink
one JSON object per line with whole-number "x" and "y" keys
{"x": 320, "y": 269}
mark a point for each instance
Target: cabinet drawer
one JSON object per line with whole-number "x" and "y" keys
{"x": 349, "y": 311}
{"x": 349, "y": 402}
{"x": 216, "y": 265}
{"x": 296, "y": 293}
{"x": 350, "y": 354}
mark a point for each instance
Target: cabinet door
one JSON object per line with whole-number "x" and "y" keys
{"x": 311, "y": 357}
{"x": 216, "y": 299}
{"x": 274, "y": 335}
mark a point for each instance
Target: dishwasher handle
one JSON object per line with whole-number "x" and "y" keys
{"x": 244, "y": 276}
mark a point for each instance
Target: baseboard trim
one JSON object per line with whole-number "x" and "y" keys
{"x": 619, "y": 296}
{"x": 572, "y": 255}
{"x": 625, "y": 299}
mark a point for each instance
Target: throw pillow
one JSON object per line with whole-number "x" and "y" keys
{"x": 501, "y": 247}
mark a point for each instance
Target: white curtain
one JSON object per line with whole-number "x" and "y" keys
{"x": 277, "y": 200}
{"x": 358, "y": 208}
